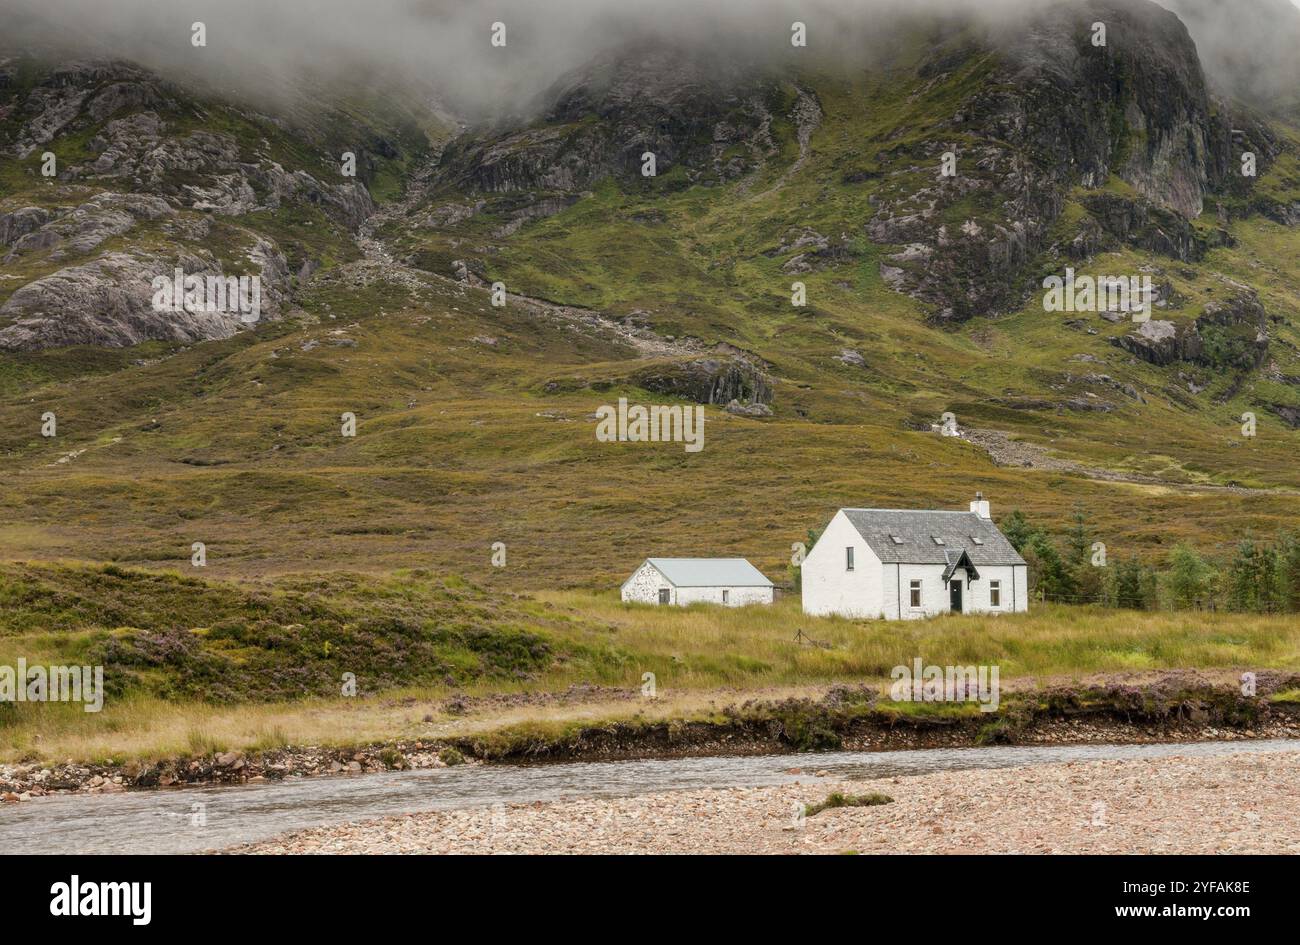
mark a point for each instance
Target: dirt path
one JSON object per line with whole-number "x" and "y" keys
{"x": 1005, "y": 451}
{"x": 1233, "y": 804}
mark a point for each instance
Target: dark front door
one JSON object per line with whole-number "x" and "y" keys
{"x": 955, "y": 588}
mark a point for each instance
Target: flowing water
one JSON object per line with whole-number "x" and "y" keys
{"x": 186, "y": 820}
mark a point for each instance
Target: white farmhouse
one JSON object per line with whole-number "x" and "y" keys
{"x": 896, "y": 563}
{"x": 733, "y": 582}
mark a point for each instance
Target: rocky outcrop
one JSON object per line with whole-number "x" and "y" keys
{"x": 1230, "y": 334}
{"x": 83, "y": 228}
{"x": 1148, "y": 226}
{"x": 1059, "y": 113}
{"x": 1159, "y": 342}
{"x": 599, "y": 121}
{"x": 1137, "y": 107}
{"x": 712, "y": 380}
{"x": 1289, "y": 413}
{"x": 133, "y": 143}
{"x": 137, "y": 147}
{"x": 86, "y": 93}
{"x": 109, "y": 302}
{"x": 1279, "y": 211}
{"x": 533, "y": 210}
{"x": 158, "y": 157}
{"x": 20, "y": 223}
{"x": 106, "y": 302}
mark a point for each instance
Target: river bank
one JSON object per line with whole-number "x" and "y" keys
{"x": 1238, "y": 804}
{"x": 1153, "y": 708}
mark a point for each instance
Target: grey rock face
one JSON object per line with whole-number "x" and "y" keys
{"x": 20, "y": 223}
{"x": 649, "y": 100}
{"x": 83, "y": 228}
{"x": 106, "y": 302}
{"x": 1060, "y": 113}
{"x": 154, "y": 168}
{"x": 1290, "y": 414}
{"x": 708, "y": 380}
{"x": 109, "y": 302}
{"x": 736, "y": 408}
{"x": 86, "y": 91}
{"x": 1148, "y": 226}
{"x": 1229, "y": 335}
{"x": 1157, "y": 342}
{"x": 1137, "y": 107}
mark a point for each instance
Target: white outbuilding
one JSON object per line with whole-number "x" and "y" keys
{"x": 732, "y": 582}
{"x": 907, "y": 564}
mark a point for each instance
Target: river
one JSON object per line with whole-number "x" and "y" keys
{"x": 188, "y": 820}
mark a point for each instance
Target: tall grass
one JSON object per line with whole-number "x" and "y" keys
{"x": 705, "y": 646}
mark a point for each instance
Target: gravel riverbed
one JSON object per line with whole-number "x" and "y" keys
{"x": 1234, "y": 804}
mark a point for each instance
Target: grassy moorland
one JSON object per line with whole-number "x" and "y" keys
{"x": 193, "y": 667}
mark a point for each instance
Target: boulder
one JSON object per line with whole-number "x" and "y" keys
{"x": 709, "y": 380}
{"x": 20, "y": 223}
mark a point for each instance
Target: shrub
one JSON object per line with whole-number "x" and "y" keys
{"x": 837, "y": 799}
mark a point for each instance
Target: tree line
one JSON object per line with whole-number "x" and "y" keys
{"x": 1257, "y": 576}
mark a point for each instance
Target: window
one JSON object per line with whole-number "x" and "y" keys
{"x": 848, "y": 559}
{"x": 726, "y": 595}
{"x": 995, "y": 593}
{"x": 916, "y": 594}
{"x": 663, "y": 595}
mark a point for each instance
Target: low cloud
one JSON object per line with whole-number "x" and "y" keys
{"x": 441, "y": 50}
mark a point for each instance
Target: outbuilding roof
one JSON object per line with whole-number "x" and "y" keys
{"x": 907, "y": 536}
{"x": 710, "y": 572}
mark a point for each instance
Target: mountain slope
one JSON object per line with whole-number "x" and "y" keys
{"x": 146, "y": 178}
{"x": 475, "y": 423}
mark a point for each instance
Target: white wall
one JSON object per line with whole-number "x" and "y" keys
{"x": 934, "y": 591}
{"x": 1013, "y": 578}
{"x": 736, "y": 596}
{"x": 936, "y": 597}
{"x": 644, "y": 585}
{"x": 830, "y": 589}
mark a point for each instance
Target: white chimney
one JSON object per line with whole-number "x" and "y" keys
{"x": 980, "y": 506}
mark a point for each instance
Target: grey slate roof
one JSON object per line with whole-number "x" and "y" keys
{"x": 918, "y": 529}
{"x": 710, "y": 572}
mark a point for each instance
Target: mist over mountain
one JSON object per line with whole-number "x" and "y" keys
{"x": 1251, "y": 49}
{"x": 441, "y": 50}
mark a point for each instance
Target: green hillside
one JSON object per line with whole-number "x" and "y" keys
{"x": 475, "y": 423}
